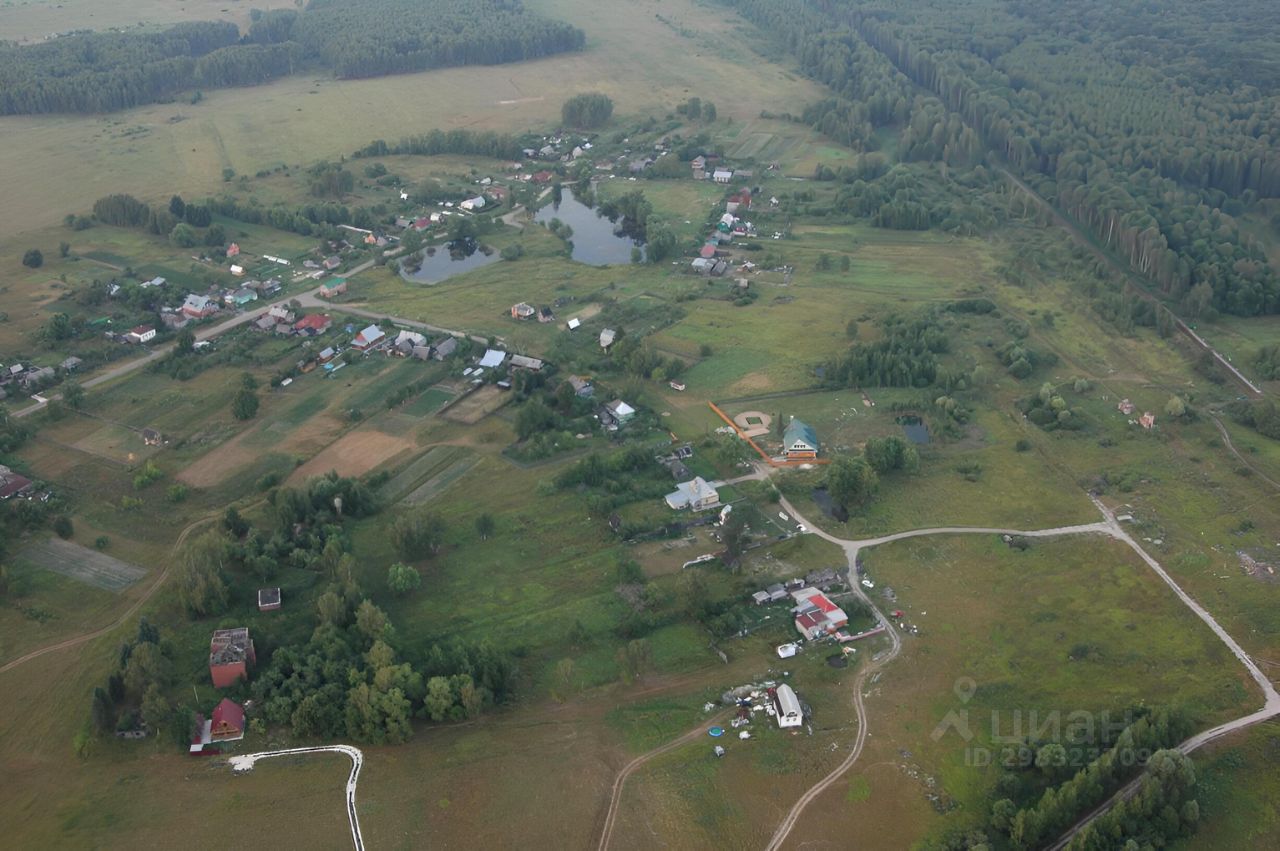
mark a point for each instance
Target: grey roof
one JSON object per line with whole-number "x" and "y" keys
{"x": 799, "y": 431}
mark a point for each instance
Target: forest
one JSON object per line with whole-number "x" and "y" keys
{"x": 102, "y": 72}
{"x": 1153, "y": 128}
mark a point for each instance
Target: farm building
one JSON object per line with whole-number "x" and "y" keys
{"x": 816, "y": 615}
{"x": 369, "y": 338}
{"x": 523, "y": 310}
{"x": 327, "y": 355}
{"x": 230, "y": 656}
{"x": 227, "y": 723}
{"x": 607, "y": 336}
{"x": 581, "y": 387}
{"x": 695, "y": 495}
{"x": 151, "y": 437}
{"x": 492, "y": 358}
{"x": 407, "y": 341}
{"x": 523, "y": 362}
{"x": 799, "y": 440}
{"x": 546, "y": 314}
{"x": 472, "y": 204}
{"x": 707, "y": 251}
{"x": 788, "y": 706}
{"x": 619, "y": 412}
{"x": 268, "y": 599}
{"x": 331, "y": 262}
{"x": 722, "y": 175}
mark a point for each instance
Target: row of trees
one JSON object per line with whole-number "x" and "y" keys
{"x": 586, "y": 111}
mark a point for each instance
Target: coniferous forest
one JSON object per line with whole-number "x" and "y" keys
{"x": 1153, "y": 126}
{"x": 102, "y": 72}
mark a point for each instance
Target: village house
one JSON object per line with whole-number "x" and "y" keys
{"x": 268, "y": 599}
{"x": 71, "y": 364}
{"x": 473, "y": 204}
{"x": 545, "y": 314}
{"x": 337, "y": 286}
{"x": 799, "y": 440}
{"x": 607, "y": 336}
{"x": 233, "y": 250}
{"x": 695, "y": 495}
{"x": 227, "y": 722}
{"x": 230, "y": 656}
{"x": 722, "y": 175}
{"x": 34, "y": 379}
{"x": 699, "y": 166}
{"x": 173, "y": 320}
{"x": 141, "y": 334}
{"x": 264, "y": 323}
{"x": 13, "y": 484}
{"x": 1125, "y": 407}
{"x": 241, "y": 297}
{"x": 444, "y": 348}
{"x": 787, "y": 707}
{"x": 198, "y": 306}
{"x": 331, "y": 262}
{"x": 407, "y": 341}
{"x": 581, "y": 387}
{"x": 280, "y": 313}
{"x": 816, "y": 615}
{"x": 312, "y": 325}
{"x": 707, "y": 251}
{"x": 151, "y": 437}
{"x": 369, "y": 339}
{"x": 616, "y": 414}
{"x": 702, "y": 265}
{"x": 522, "y": 310}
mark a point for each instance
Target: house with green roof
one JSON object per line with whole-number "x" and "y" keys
{"x": 799, "y": 440}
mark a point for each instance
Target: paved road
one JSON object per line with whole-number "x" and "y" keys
{"x": 1108, "y": 526}
{"x": 246, "y": 762}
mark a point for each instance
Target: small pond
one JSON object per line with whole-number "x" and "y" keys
{"x": 444, "y": 261}
{"x": 596, "y": 240}
{"x": 914, "y": 428}
{"x": 823, "y": 500}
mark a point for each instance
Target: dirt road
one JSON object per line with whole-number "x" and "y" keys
{"x": 1109, "y": 527}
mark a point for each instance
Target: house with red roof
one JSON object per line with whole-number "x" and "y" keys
{"x": 227, "y": 723}
{"x": 542, "y": 176}
{"x": 312, "y": 325}
{"x": 707, "y": 251}
{"x": 816, "y": 614}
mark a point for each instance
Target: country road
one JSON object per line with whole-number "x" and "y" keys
{"x": 246, "y": 762}
{"x": 307, "y": 300}
{"x": 615, "y": 799}
{"x": 1110, "y": 527}
{"x": 1226, "y": 439}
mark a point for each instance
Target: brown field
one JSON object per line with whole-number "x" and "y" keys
{"x": 218, "y": 465}
{"x": 35, "y": 20}
{"x": 477, "y": 406}
{"x": 353, "y": 455}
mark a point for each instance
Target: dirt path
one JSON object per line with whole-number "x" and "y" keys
{"x": 1226, "y": 438}
{"x": 245, "y": 763}
{"x": 1109, "y": 527}
{"x": 129, "y": 613}
{"x": 615, "y": 799}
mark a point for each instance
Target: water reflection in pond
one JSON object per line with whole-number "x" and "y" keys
{"x": 915, "y": 429}
{"x": 444, "y": 261}
{"x": 596, "y": 240}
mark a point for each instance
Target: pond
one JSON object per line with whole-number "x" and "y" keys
{"x": 445, "y": 261}
{"x": 915, "y": 429}
{"x": 823, "y": 500}
{"x": 596, "y": 240}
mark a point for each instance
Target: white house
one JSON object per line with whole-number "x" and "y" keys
{"x": 788, "y": 707}
{"x": 695, "y": 495}
{"x": 722, "y": 175}
{"x": 141, "y": 334}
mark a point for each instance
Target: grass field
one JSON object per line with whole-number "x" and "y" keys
{"x": 1012, "y": 622}
{"x": 26, "y": 21}
{"x": 82, "y": 564}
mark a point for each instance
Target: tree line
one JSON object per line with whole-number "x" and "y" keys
{"x": 103, "y": 72}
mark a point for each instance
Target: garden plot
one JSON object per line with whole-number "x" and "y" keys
{"x": 82, "y": 564}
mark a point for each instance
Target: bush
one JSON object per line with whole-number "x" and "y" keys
{"x": 62, "y": 525}
{"x": 33, "y": 259}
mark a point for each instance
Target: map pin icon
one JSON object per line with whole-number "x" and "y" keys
{"x": 965, "y": 688}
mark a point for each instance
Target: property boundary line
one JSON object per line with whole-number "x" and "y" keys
{"x": 772, "y": 462}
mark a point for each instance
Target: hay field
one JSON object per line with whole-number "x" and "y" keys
{"x": 156, "y": 150}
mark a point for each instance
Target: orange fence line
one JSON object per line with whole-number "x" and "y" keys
{"x": 773, "y": 462}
